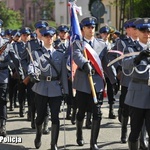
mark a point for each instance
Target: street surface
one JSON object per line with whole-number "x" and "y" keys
{"x": 20, "y": 128}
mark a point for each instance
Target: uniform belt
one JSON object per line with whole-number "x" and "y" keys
{"x": 3, "y": 68}
{"x": 48, "y": 78}
{"x": 140, "y": 81}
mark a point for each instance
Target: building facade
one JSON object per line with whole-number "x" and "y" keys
{"x": 31, "y": 11}
{"x": 110, "y": 17}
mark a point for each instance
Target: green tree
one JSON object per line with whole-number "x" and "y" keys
{"x": 141, "y": 8}
{"x": 11, "y": 19}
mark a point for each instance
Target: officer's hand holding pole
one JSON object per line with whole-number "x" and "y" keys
{"x": 88, "y": 69}
{"x": 143, "y": 54}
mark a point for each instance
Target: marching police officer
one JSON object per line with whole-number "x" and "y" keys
{"x": 13, "y": 79}
{"x": 33, "y": 45}
{"x": 138, "y": 91}
{"x": 38, "y": 25}
{"x": 128, "y": 41}
{"x": 63, "y": 44}
{"x": 52, "y": 73}
{"x": 124, "y": 43}
{"x": 19, "y": 49}
{"x": 83, "y": 91}
{"x": 104, "y": 34}
{"x": 5, "y": 57}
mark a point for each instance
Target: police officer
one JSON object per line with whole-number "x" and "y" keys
{"x": 52, "y": 68}
{"x": 129, "y": 40}
{"x": 123, "y": 44}
{"x": 13, "y": 79}
{"x": 33, "y": 45}
{"x": 63, "y": 44}
{"x": 38, "y": 42}
{"x": 138, "y": 90}
{"x": 5, "y": 57}
{"x": 83, "y": 91}
{"x": 19, "y": 49}
{"x": 104, "y": 34}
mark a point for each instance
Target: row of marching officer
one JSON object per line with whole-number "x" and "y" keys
{"x": 134, "y": 77}
{"x": 42, "y": 74}
{"x": 7, "y": 57}
{"x": 137, "y": 96}
{"x": 47, "y": 69}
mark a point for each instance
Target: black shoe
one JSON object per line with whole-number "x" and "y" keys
{"x": 73, "y": 117}
{"x": 11, "y": 108}
{"x": 3, "y": 128}
{"x": 45, "y": 125}
{"x": 79, "y": 140}
{"x": 21, "y": 112}
{"x": 88, "y": 125}
{"x": 28, "y": 117}
{"x": 33, "y": 125}
{"x": 16, "y": 105}
{"x": 112, "y": 116}
{"x": 37, "y": 141}
{"x": 68, "y": 117}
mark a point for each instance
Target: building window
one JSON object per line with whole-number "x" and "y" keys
{"x": 61, "y": 1}
{"x": 61, "y": 19}
{"x": 29, "y": 13}
{"x": 108, "y": 14}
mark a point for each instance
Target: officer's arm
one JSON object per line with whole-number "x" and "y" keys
{"x": 78, "y": 56}
{"x": 109, "y": 71}
{"x": 16, "y": 60}
{"x": 128, "y": 62}
{"x": 25, "y": 60}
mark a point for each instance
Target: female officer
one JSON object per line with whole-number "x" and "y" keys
{"x": 139, "y": 88}
{"x": 49, "y": 63}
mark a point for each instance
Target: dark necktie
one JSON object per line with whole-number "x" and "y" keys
{"x": 90, "y": 43}
{"x": 50, "y": 53}
{"x": 135, "y": 42}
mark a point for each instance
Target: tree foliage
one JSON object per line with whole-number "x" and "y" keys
{"x": 11, "y": 19}
{"x": 141, "y": 8}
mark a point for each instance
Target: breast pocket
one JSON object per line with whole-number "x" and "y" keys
{"x": 57, "y": 62}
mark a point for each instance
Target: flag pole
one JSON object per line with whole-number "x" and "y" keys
{"x": 85, "y": 55}
{"x": 91, "y": 82}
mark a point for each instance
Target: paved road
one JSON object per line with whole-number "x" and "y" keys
{"x": 19, "y": 128}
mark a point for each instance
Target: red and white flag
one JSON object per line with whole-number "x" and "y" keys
{"x": 94, "y": 59}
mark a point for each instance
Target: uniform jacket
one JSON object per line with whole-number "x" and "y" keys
{"x": 50, "y": 88}
{"x": 58, "y": 44}
{"x": 121, "y": 46}
{"x": 138, "y": 94}
{"x": 81, "y": 82}
{"x": 5, "y": 58}
{"x": 30, "y": 46}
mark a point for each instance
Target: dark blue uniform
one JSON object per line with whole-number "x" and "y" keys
{"x": 5, "y": 58}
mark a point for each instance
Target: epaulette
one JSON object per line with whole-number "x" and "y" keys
{"x": 60, "y": 50}
{"x": 99, "y": 39}
{"x": 18, "y": 43}
{"x": 39, "y": 49}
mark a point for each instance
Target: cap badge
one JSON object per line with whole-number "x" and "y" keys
{"x": 146, "y": 20}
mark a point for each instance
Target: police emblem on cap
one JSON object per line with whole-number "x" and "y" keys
{"x": 146, "y": 20}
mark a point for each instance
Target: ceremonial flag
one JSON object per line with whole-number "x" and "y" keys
{"x": 94, "y": 59}
{"x": 75, "y": 34}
